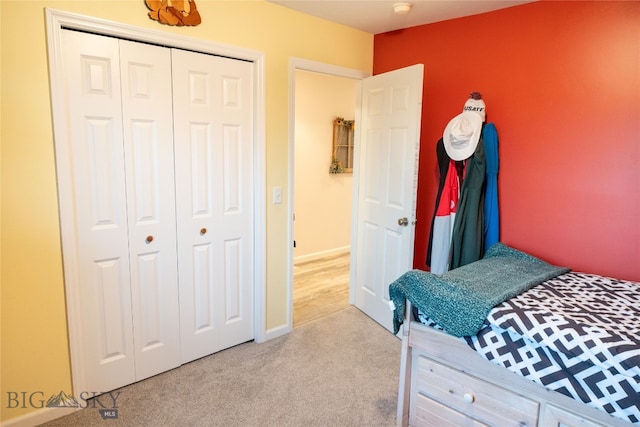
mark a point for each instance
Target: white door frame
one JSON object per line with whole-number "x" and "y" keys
{"x": 334, "y": 70}
{"x": 56, "y": 21}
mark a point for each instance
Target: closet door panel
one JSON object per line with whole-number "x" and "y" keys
{"x": 213, "y": 115}
{"x": 197, "y": 194}
{"x": 148, "y": 141}
{"x": 92, "y": 80}
{"x": 233, "y": 281}
{"x": 201, "y": 295}
{"x": 236, "y": 209}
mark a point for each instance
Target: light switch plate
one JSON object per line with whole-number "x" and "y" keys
{"x": 277, "y": 195}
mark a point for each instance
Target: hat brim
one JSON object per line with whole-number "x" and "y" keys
{"x": 461, "y": 152}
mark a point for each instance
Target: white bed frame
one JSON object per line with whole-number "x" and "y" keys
{"x": 443, "y": 382}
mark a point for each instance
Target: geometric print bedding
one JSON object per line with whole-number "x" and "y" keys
{"x": 577, "y": 334}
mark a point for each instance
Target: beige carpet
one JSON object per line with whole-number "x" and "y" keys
{"x": 341, "y": 370}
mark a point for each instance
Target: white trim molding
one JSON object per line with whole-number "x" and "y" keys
{"x": 38, "y": 417}
{"x": 322, "y": 254}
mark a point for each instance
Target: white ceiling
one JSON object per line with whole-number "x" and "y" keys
{"x": 377, "y": 16}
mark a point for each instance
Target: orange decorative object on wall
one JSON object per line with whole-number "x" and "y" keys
{"x": 174, "y": 12}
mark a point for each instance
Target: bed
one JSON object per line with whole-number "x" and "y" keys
{"x": 558, "y": 348}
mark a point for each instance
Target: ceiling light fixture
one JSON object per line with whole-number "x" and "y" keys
{"x": 402, "y": 8}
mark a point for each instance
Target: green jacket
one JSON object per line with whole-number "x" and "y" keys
{"x": 467, "y": 243}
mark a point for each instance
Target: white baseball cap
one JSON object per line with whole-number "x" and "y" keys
{"x": 476, "y": 105}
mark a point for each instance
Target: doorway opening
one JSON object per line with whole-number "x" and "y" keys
{"x": 387, "y": 140}
{"x": 322, "y": 200}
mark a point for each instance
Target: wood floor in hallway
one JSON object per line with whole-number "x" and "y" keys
{"x": 320, "y": 287}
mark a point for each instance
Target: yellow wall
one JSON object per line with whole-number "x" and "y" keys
{"x": 34, "y": 343}
{"x": 322, "y": 200}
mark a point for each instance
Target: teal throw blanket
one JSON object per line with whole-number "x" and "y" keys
{"x": 460, "y": 299}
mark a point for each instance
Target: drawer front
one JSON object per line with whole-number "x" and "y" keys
{"x": 478, "y": 399}
{"x": 429, "y": 413}
{"x": 553, "y": 416}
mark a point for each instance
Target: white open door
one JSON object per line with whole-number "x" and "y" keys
{"x": 385, "y": 168}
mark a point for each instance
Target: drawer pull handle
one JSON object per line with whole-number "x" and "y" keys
{"x": 203, "y": 231}
{"x": 149, "y": 239}
{"x": 468, "y": 397}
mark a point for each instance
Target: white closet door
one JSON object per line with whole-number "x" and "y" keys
{"x": 121, "y": 144}
{"x": 92, "y": 71}
{"x": 148, "y": 141}
{"x": 213, "y": 113}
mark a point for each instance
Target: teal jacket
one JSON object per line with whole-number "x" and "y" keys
{"x": 491, "y": 211}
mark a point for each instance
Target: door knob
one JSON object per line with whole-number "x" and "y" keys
{"x": 149, "y": 239}
{"x": 403, "y": 221}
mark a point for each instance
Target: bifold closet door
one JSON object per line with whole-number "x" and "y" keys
{"x": 149, "y": 162}
{"x": 213, "y": 121}
{"x": 121, "y": 150}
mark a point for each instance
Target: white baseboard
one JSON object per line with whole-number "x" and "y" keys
{"x": 277, "y": 332}
{"x": 322, "y": 254}
{"x": 38, "y": 417}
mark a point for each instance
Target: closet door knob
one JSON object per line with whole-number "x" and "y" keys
{"x": 403, "y": 222}
{"x": 203, "y": 231}
{"x": 149, "y": 239}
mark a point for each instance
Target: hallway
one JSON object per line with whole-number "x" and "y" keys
{"x": 320, "y": 287}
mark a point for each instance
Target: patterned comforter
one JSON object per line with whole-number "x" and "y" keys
{"x": 577, "y": 334}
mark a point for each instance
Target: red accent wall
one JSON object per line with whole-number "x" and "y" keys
{"x": 561, "y": 81}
